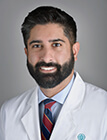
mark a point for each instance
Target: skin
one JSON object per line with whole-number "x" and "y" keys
{"x": 49, "y": 44}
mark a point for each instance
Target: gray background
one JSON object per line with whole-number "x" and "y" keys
{"x": 91, "y": 18}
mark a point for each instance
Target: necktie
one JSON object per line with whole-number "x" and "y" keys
{"x": 47, "y": 124}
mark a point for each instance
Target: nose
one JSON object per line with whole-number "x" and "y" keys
{"x": 47, "y": 55}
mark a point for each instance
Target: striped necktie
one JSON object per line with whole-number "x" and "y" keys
{"x": 47, "y": 124}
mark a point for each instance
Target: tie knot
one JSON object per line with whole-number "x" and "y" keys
{"x": 49, "y": 103}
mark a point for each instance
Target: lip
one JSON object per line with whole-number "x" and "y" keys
{"x": 49, "y": 69}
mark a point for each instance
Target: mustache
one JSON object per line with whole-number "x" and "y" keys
{"x": 39, "y": 64}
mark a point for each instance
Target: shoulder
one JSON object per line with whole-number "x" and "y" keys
{"x": 18, "y": 101}
{"x": 92, "y": 94}
{"x": 96, "y": 97}
{"x": 92, "y": 89}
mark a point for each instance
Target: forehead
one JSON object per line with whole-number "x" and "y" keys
{"x": 50, "y": 30}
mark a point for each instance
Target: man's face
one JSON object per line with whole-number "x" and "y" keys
{"x": 49, "y": 55}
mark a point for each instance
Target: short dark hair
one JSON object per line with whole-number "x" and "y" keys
{"x": 47, "y": 14}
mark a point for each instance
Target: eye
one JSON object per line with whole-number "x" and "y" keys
{"x": 37, "y": 46}
{"x": 56, "y": 45}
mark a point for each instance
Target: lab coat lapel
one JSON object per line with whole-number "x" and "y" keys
{"x": 65, "y": 125}
{"x": 30, "y": 120}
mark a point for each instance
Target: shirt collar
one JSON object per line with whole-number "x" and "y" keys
{"x": 59, "y": 97}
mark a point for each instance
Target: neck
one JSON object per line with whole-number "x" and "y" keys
{"x": 50, "y": 92}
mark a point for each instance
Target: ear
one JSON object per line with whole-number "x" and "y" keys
{"x": 26, "y": 52}
{"x": 75, "y": 49}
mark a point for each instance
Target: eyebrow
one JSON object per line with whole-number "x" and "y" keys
{"x": 56, "y": 40}
{"x": 35, "y": 41}
{"x": 39, "y": 41}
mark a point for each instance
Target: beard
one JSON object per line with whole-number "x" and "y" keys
{"x": 50, "y": 80}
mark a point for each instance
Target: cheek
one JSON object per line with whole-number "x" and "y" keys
{"x": 33, "y": 59}
{"x": 63, "y": 57}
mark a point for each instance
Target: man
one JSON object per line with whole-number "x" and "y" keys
{"x": 62, "y": 106}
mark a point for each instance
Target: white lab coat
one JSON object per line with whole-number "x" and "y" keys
{"x": 84, "y": 112}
